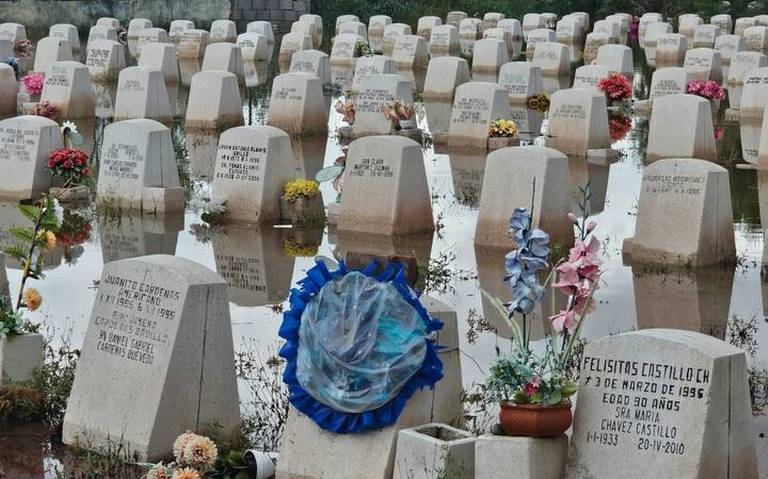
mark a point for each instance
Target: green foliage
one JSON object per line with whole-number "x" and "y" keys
{"x": 10, "y": 322}
{"x": 525, "y": 379}
{"x": 54, "y": 381}
{"x": 19, "y": 403}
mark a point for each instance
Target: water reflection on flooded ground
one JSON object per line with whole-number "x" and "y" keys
{"x": 262, "y": 263}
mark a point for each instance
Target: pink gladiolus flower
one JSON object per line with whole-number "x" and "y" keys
{"x": 591, "y": 226}
{"x": 564, "y": 321}
{"x": 572, "y": 218}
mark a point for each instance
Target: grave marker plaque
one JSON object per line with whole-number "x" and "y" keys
{"x": 25, "y": 143}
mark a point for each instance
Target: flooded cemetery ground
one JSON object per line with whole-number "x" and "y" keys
{"x": 261, "y": 264}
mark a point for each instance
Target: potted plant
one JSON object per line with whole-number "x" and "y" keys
{"x": 400, "y": 114}
{"x": 616, "y": 87}
{"x": 710, "y": 90}
{"x": 69, "y": 167}
{"x": 302, "y": 203}
{"x": 533, "y": 388}
{"x": 503, "y": 133}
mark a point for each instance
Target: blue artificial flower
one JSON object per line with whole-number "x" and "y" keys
{"x": 523, "y": 264}
{"x": 14, "y": 63}
{"x": 525, "y": 294}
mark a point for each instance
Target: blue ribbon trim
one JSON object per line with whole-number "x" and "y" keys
{"x": 324, "y": 416}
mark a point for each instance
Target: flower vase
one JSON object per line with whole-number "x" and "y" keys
{"x": 535, "y": 420}
{"x": 499, "y": 142}
{"x": 20, "y": 355}
{"x": 303, "y": 211}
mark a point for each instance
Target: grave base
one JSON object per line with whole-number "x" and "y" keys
{"x": 440, "y": 138}
{"x": 603, "y": 156}
{"x": 435, "y": 450}
{"x": 334, "y": 210}
{"x": 71, "y": 195}
{"x": 533, "y": 458}
{"x": 162, "y": 200}
{"x": 20, "y": 355}
{"x": 499, "y": 143}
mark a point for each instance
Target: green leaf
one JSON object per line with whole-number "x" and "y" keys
{"x": 16, "y": 252}
{"x": 25, "y": 235}
{"x": 30, "y": 212}
{"x": 568, "y": 389}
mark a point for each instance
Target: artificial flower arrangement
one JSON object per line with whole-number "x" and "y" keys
{"x": 46, "y": 109}
{"x": 619, "y": 125}
{"x": 538, "y": 102}
{"x": 197, "y": 457}
{"x": 711, "y": 90}
{"x": 33, "y": 84}
{"x": 301, "y": 189}
{"x": 23, "y": 49}
{"x": 400, "y": 114}
{"x": 503, "y": 128}
{"x": 616, "y": 87}
{"x": 301, "y": 203}
{"x": 347, "y": 109}
{"x": 69, "y": 163}
{"x": 534, "y": 389}
{"x": 362, "y": 49}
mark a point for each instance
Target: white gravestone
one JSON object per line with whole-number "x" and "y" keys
{"x": 756, "y": 39}
{"x": 491, "y": 20}
{"x": 376, "y": 26}
{"x": 684, "y": 215}
{"x": 297, "y": 105}
{"x": 705, "y": 36}
{"x": 743, "y": 62}
{"x": 223, "y": 31}
{"x": 618, "y": 58}
{"x": 508, "y": 183}
{"x": 108, "y": 22}
{"x": 138, "y": 167}
{"x": 687, "y": 25}
{"x": 724, "y": 22}
{"x": 755, "y": 95}
{"x": 540, "y": 35}
{"x": 252, "y": 166}
{"x": 101, "y": 32}
{"x": 374, "y": 94}
{"x": 49, "y": 50}
{"x": 567, "y": 31}
{"x": 105, "y": 59}
{"x": 8, "y": 91}
{"x": 662, "y": 403}
{"x": 25, "y": 143}
{"x": 669, "y": 81}
{"x": 372, "y": 65}
{"x": 312, "y": 61}
{"x": 704, "y": 64}
{"x": 592, "y": 44}
{"x": 163, "y": 57}
{"x": 67, "y": 32}
{"x": 444, "y": 41}
{"x": 150, "y": 35}
{"x": 668, "y": 137}
{"x": 741, "y": 24}
{"x": 552, "y": 58}
{"x": 68, "y": 86}
{"x": 342, "y": 19}
{"x": 306, "y": 28}
{"x": 578, "y": 121}
{"x": 652, "y": 34}
{"x": 391, "y": 32}
{"x": 214, "y": 101}
{"x": 136, "y": 25}
{"x": 178, "y": 27}
{"x": 141, "y": 93}
{"x": 489, "y": 54}
{"x": 343, "y": 52}
{"x": 355, "y": 28}
{"x": 521, "y": 80}
{"x": 263, "y": 28}
{"x": 728, "y": 46}
{"x": 317, "y": 21}
{"x": 226, "y": 57}
{"x": 455, "y": 17}
{"x": 531, "y": 22}
{"x": 515, "y": 30}
{"x": 159, "y": 345}
{"x": 587, "y": 76}
{"x": 613, "y": 29}
{"x": 410, "y": 52}
{"x": 254, "y": 47}
{"x": 475, "y": 106}
{"x": 192, "y": 44}
{"x": 385, "y": 188}
{"x": 670, "y": 50}
{"x": 13, "y": 32}
{"x": 645, "y": 21}
{"x": 444, "y": 75}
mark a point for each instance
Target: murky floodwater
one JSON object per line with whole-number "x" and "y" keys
{"x": 261, "y": 264}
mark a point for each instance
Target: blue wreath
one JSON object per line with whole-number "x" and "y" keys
{"x": 326, "y": 417}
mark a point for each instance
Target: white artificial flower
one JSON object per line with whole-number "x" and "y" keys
{"x": 69, "y": 125}
{"x": 58, "y": 210}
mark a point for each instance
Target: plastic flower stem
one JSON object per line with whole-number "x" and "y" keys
{"x": 566, "y": 353}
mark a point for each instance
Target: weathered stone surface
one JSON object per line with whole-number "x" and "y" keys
{"x": 645, "y": 21}
{"x": 150, "y": 35}
{"x": 756, "y": 39}
{"x": 385, "y": 188}
{"x": 262, "y": 28}
{"x": 475, "y": 106}
{"x": 141, "y": 93}
{"x": 252, "y": 166}
{"x": 312, "y": 61}
{"x": 652, "y": 33}
{"x": 684, "y": 215}
{"x": 391, "y": 33}
{"x": 159, "y": 345}
{"x": 254, "y": 47}
{"x": 192, "y": 44}
{"x": 68, "y": 86}
{"x": 105, "y": 59}
{"x": 705, "y": 36}
{"x": 670, "y": 50}
{"x": 488, "y": 56}
{"x": 49, "y": 50}
{"x": 372, "y": 65}
{"x": 552, "y": 58}
{"x": 25, "y": 143}
{"x": 662, "y": 403}
{"x": 434, "y": 449}
{"x": 728, "y": 46}
{"x": 66, "y": 32}
{"x": 534, "y": 458}
{"x": 540, "y": 35}
{"x": 668, "y": 137}
{"x": 163, "y": 57}
{"x": 741, "y": 63}
{"x": 20, "y": 355}
{"x": 223, "y": 31}
{"x": 521, "y": 80}
{"x": 317, "y": 21}
{"x": 724, "y": 22}
{"x": 214, "y": 101}
{"x": 376, "y": 92}
{"x": 578, "y": 121}
{"x": 297, "y": 105}
{"x": 669, "y": 81}
{"x": 343, "y": 52}
{"x": 376, "y": 26}
{"x": 754, "y": 98}
{"x": 587, "y": 76}
{"x": 531, "y": 22}
{"x": 410, "y": 51}
{"x": 178, "y": 27}
{"x": 225, "y": 57}
{"x": 509, "y": 183}
{"x": 704, "y": 64}
{"x": 592, "y": 44}
{"x": 8, "y": 91}
{"x": 444, "y": 75}
{"x": 618, "y": 58}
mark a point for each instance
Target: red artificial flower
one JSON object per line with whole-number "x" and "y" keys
{"x": 616, "y": 87}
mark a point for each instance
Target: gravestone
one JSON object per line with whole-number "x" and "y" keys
{"x": 6, "y": 49}
{"x": 108, "y": 22}
{"x": 618, "y": 58}
{"x": 704, "y": 64}
{"x": 385, "y": 188}
{"x": 159, "y": 345}
{"x": 488, "y": 56}
{"x": 503, "y": 35}
{"x": 223, "y": 31}
{"x": 214, "y": 101}
{"x": 508, "y": 183}
{"x": 535, "y": 37}
{"x": 550, "y": 19}
{"x": 587, "y": 76}
{"x": 724, "y": 22}
{"x": 49, "y": 50}
{"x": 372, "y": 65}
{"x": 455, "y": 17}
{"x": 762, "y": 146}
{"x": 410, "y": 52}
{"x": 684, "y": 215}
{"x": 652, "y": 34}
{"x": 342, "y": 19}
{"x": 444, "y": 75}
{"x": 225, "y": 57}
{"x": 728, "y": 46}
{"x": 343, "y": 52}
{"x": 262, "y": 28}
{"x": 192, "y": 44}
{"x": 515, "y": 30}
{"x": 376, "y": 26}
{"x": 314, "y": 62}
{"x": 662, "y": 403}
{"x": 375, "y": 93}
{"x": 756, "y": 39}
{"x": 742, "y": 24}
{"x": 552, "y": 58}
{"x": 491, "y": 20}
{"x": 624, "y": 19}
{"x": 105, "y": 59}
{"x": 670, "y": 50}
{"x": 355, "y": 28}
{"x": 391, "y": 33}
{"x": 469, "y": 29}
{"x": 147, "y": 36}
{"x": 101, "y": 32}
{"x": 668, "y": 137}
{"x": 705, "y": 36}
{"x": 592, "y": 44}
{"x": 669, "y": 81}
{"x": 741, "y": 63}
{"x": 68, "y": 86}
{"x": 521, "y": 80}
{"x": 254, "y": 47}
{"x": 317, "y": 21}
{"x": 612, "y": 29}
{"x": 8, "y": 91}
{"x": 163, "y": 57}
{"x": 138, "y": 167}
{"x": 755, "y": 95}
{"x": 567, "y": 31}
{"x": 135, "y": 234}
{"x": 687, "y": 25}
{"x": 297, "y": 105}
{"x": 67, "y": 32}
{"x": 252, "y": 166}
{"x": 475, "y": 106}
{"x": 444, "y": 41}
{"x": 178, "y": 27}
{"x": 645, "y": 21}
{"x": 578, "y": 121}
{"x": 531, "y": 22}
{"x": 292, "y": 43}
{"x": 25, "y": 143}
{"x": 136, "y": 25}
{"x": 306, "y": 28}
{"x": 141, "y": 93}
{"x": 13, "y": 32}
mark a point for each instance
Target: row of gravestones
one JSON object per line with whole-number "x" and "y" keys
{"x": 159, "y": 347}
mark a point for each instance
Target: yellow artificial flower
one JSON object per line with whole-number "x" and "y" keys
{"x": 301, "y": 189}
{"x": 186, "y": 473}
{"x": 32, "y": 298}
{"x": 200, "y": 452}
{"x": 180, "y": 443}
{"x": 49, "y": 238}
{"x": 158, "y": 472}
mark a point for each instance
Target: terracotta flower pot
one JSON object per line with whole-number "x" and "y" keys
{"x": 535, "y": 420}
